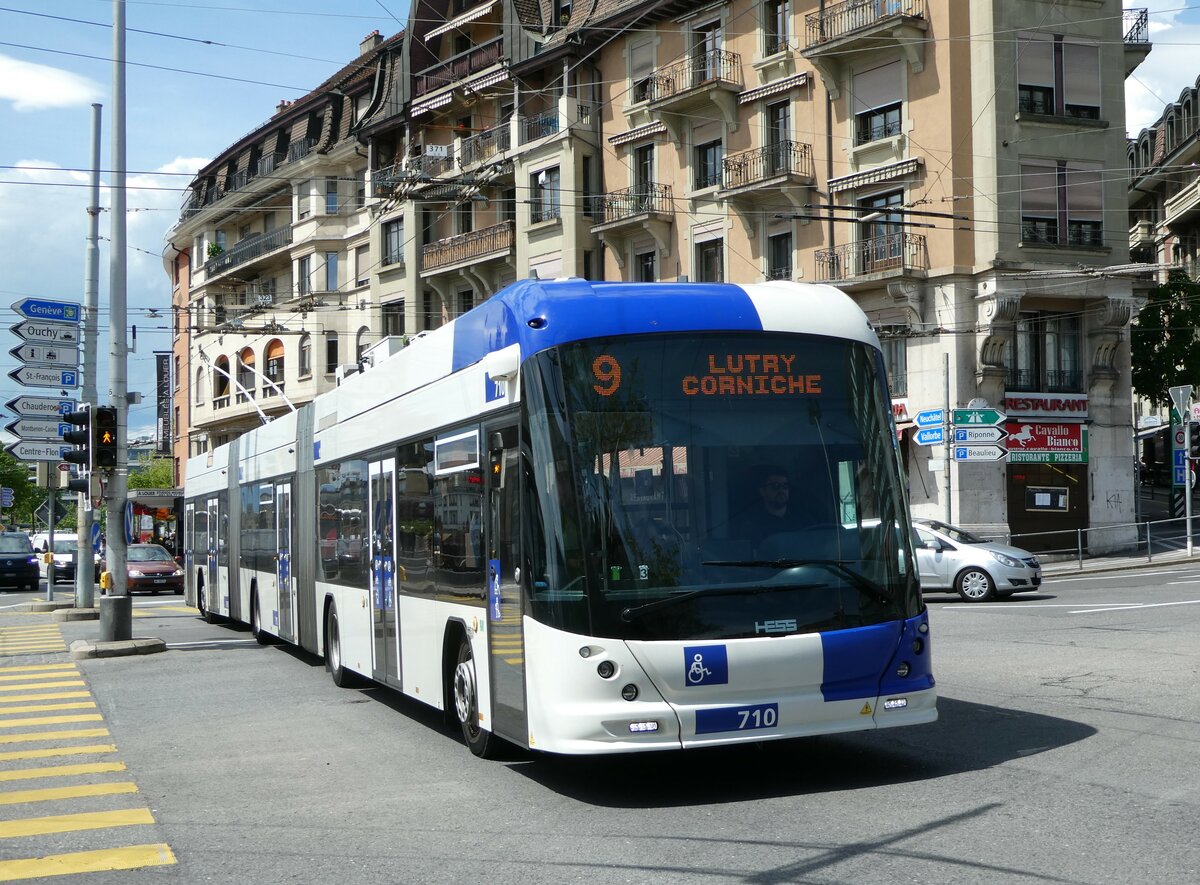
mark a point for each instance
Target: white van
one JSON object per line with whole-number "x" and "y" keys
{"x": 64, "y": 555}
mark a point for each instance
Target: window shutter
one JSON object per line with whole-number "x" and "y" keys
{"x": 878, "y": 87}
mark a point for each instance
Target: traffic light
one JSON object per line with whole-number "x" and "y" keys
{"x": 1194, "y": 441}
{"x": 81, "y": 438}
{"x": 104, "y": 438}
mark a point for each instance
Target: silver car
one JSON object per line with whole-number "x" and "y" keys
{"x": 952, "y": 559}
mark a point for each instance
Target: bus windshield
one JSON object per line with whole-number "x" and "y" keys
{"x": 713, "y": 487}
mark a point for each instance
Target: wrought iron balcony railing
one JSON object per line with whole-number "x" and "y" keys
{"x": 249, "y": 249}
{"x": 764, "y": 163}
{"x": 1136, "y": 25}
{"x": 639, "y": 200}
{"x": 896, "y": 251}
{"x": 459, "y": 67}
{"x": 842, "y": 19}
{"x": 298, "y": 150}
{"x": 716, "y": 65}
{"x": 464, "y": 247}
{"x": 486, "y": 144}
{"x": 1050, "y": 381}
{"x": 533, "y": 128}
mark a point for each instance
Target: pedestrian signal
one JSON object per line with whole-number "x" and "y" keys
{"x": 1194, "y": 441}
{"x": 104, "y": 430}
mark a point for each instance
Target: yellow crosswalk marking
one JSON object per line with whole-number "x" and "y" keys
{"x": 32, "y": 668}
{"x": 130, "y": 858}
{"x": 44, "y": 696}
{"x": 26, "y": 774}
{"x": 28, "y": 628}
{"x": 38, "y": 708}
{"x": 27, "y": 736}
{"x": 33, "y": 686}
{"x": 49, "y": 794}
{"x": 49, "y": 752}
{"x": 71, "y": 823}
{"x": 51, "y": 720}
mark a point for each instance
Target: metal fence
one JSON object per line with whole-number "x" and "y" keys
{"x": 1131, "y": 540}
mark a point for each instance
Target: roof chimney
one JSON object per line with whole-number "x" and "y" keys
{"x": 369, "y": 42}
{"x": 283, "y": 105}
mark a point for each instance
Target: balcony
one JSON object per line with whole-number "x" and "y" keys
{"x": 1141, "y": 235}
{"x": 891, "y": 255}
{"x": 1050, "y": 381}
{"x": 648, "y": 207}
{"x": 1183, "y": 206}
{"x": 745, "y": 176}
{"x": 298, "y": 150}
{"x": 846, "y": 30}
{"x": 484, "y": 146}
{"x": 459, "y": 67}
{"x": 693, "y": 86}
{"x": 386, "y": 181}
{"x": 1136, "y": 24}
{"x": 248, "y": 250}
{"x": 477, "y": 246}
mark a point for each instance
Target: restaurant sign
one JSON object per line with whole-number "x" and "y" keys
{"x": 1046, "y": 442}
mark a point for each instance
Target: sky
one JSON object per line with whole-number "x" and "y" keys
{"x": 199, "y": 76}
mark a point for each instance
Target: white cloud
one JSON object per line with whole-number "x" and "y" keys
{"x": 34, "y": 87}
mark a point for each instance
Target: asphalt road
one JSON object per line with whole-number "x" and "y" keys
{"x": 1065, "y": 752}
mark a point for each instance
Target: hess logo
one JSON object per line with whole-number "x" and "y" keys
{"x": 784, "y": 625}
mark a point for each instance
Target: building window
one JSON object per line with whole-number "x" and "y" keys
{"x": 1058, "y": 78}
{"x": 331, "y": 352}
{"x": 779, "y": 256}
{"x": 877, "y": 100}
{"x": 466, "y": 300}
{"x": 362, "y": 265}
{"x": 544, "y": 190}
{"x": 362, "y": 343}
{"x": 245, "y": 375}
{"x": 393, "y": 318}
{"x": 331, "y": 196}
{"x": 331, "y": 271}
{"x": 275, "y": 367}
{"x": 1062, "y": 203}
{"x": 1045, "y": 353}
{"x": 706, "y": 52}
{"x": 882, "y": 238}
{"x": 707, "y": 165}
{"x": 710, "y": 263}
{"x": 175, "y": 375}
{"x": 895, "y": 359}
{"x": 562, "y": 12}
{"x": 647, "y": 272}
{"x": 641, "y": 66}
{"x": 775, "y": 26}
{"x": 199, "y": 392}
{"x": 393, "y": 242}
{"x": 304, "y": 275}
{"x": 305, "y": 355}
{"x": 429, "y": 318}
{"x": 221, "y": 381}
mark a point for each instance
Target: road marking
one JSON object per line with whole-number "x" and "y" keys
{"x": 51, "y": 720}
{"x": 51, "y": 794}
{"x": 38, "y": 708}
{"x": 44, "y": 696}
{"x": 40, "y": 685}
{"x": 25, "y": 737}
{"x": 131, "y": 858}
{"x": 1116, "y": 608}
{"x": 24, "y": 774}
{"x": 72, "y": 823}
{"x": 49, "y": 752}
{"x": 32, "y": 668}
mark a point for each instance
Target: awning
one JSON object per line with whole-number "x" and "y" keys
{"x": 469, "y": 16}
{"x": 638, "y": 132}
{"x": 483, "y": 81}
{"x": 872, "y": 176}
{"x": 437, "y": 101}
{"x": 792, "y": 82}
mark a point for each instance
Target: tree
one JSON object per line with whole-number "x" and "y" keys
{"x": 153, "y": 473}
{"x": 1163, "y": 343}
{"x": 27, "y": 496}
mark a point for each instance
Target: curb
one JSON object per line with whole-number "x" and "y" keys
{"x": 45, "y": 606}
{"x": 1074, "y": 569}
{"x": 84, "y": 648}
{"x": 77, "y": 614}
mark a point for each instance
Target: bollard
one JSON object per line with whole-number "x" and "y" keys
{"x": 1149, "y": 548}
{"x": 1079, "y": 546}
{"x": 116, "y": 617}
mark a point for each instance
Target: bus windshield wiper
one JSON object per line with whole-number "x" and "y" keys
{"x": 629, "y": 614}
{"x": 838, "y": 566}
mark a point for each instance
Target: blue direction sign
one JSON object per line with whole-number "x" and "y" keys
{"x": 95, "y": 537}
{"x": 931, "y": 436}
{"x": 930, "y": 417}
{"x": 41, "y": 309}
{"x": 6, "y": 497}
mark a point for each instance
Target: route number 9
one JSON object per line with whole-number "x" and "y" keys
{"x": 607, "y": 371}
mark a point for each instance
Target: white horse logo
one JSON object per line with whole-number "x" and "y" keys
{"x": 1024, "y": 437}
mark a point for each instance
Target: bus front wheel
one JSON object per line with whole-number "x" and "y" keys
{"x": 466, "y": 703}
{"x": 342, "y": 677}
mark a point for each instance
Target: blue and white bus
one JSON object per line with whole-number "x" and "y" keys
{"x": 533, "y": 518}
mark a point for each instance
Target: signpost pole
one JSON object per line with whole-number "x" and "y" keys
{"x": 85, "y": 572}
{"x": 53, "y": 493}
{"x": 1187, "y": 481}
{"x": 949, "y": 436}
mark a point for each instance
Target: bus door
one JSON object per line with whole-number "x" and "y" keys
{"x": 283, "y": 561}
{"x": 212, "y": 580}
{"x": 189, "y": 559}
{"x": 506, "y": 632}
{"x": 383, "y": 571}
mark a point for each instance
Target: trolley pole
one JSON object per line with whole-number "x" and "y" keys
{"x": 116, "y": 611}
{"x": 84, "y": 569}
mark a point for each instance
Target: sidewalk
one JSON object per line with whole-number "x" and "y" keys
{"x": 1072, "y": 565}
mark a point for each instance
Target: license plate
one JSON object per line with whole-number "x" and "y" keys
{"x": 749, "y": 718}
{"x": 10, "y": 574}
{"x": 160, "y": 580}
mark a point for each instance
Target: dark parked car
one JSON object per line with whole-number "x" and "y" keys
{"x": 18, "y": 563}
{"x": 151, "y": 567}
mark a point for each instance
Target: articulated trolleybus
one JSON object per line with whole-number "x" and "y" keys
{"x": 546, "y": 519}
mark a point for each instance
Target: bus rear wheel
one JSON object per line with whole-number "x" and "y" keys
{"x": 202, "y": 604}
{"x": 342, "y": 677}
{"x": 256, "y": 630}
{"x": 466, "y": 703}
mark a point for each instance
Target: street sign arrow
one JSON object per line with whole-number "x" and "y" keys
{"x": 972, "y": 434}
{"x": 47, "y": 355}
{"x": 37, "y": 428}
{"x": 930, "y": 417}
{"x": 930, "y": 436}
{"x": 37, "y": 451}
{"x": 978, "y": 453}
{"x": 41, "y": 406}
{"x": 55, "y": 311}
{"x": 43, "y": 332}
{"x": 979, "y": 417}
{"x": 45, "y": 376}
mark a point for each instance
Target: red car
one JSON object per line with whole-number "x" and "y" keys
{"x": 151, "y": 567}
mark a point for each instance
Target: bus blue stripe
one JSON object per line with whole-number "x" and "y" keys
{"x": 861, "y": 663}
{"x": 655, "y": 307}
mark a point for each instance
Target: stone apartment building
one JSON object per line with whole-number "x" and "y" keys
{"x": 949, "y": 163}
